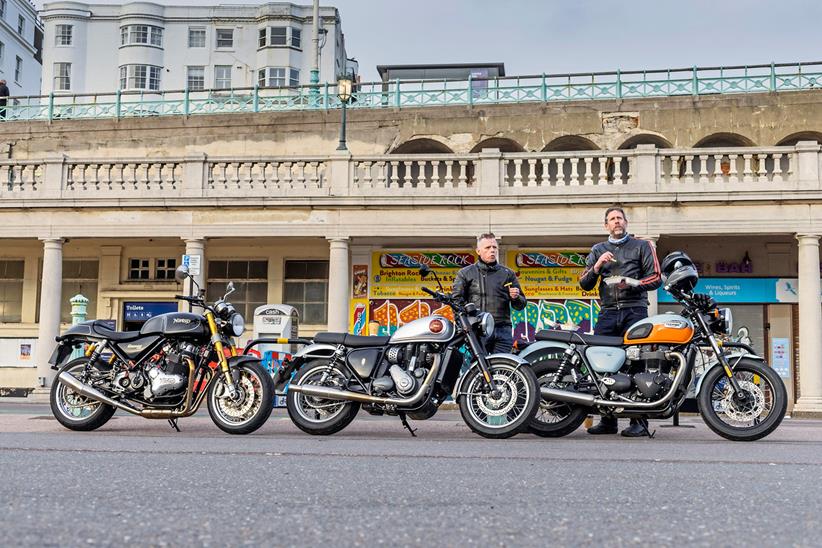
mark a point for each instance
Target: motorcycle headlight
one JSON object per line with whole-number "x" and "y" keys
{"x": 725, "y": 314}
{"x": 487, "y": 324}
{"x": 237, "y": 325}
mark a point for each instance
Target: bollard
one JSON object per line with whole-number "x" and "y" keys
{"x": 79, "y": 307}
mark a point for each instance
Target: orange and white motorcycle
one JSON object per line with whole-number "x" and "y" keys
{"x": 647, "y": 373}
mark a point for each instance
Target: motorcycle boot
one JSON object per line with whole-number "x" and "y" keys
{"x": 607, "y": 425}
{"x": 635, "y": 430}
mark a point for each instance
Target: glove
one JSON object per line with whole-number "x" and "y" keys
{"x": 704, "y": 302}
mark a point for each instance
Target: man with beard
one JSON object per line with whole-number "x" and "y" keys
{"x": 622, "y": 304}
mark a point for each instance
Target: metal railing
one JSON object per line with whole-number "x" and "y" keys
{"x": 423, "y": 93}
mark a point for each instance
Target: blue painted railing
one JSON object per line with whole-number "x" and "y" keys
{"x": 423, "y": 93}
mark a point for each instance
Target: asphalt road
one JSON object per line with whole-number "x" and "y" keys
{"x": 138, "y": 482}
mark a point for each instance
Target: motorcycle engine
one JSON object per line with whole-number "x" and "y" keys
{"x": 409, "y": 364}
{"x": 166, "y": 372}
{"x": 652, "y": 370}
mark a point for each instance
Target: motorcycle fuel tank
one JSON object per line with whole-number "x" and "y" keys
{"x": 428, "y": 329}
{"x": 661, "y": 329}
{"x": 175, "y": 323}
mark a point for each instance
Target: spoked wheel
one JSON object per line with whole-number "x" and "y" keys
{"x": 554, "y": 419}
{"x": 316, "y": 415}
{"x": 506, "y": 412}
{"x": 251, "y": 408}
{"x": 73, "y": 410}
{"x": 751, "y": 415}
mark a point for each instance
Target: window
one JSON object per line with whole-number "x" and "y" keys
{"x": 18, "y": 69}
{"x": 139, "y": 269}
{"x": 225, "y": 38}
{"x": 140, "y": 77}
{"x": 11, "y": 291}
{"x": 2, "y": 52}
{"x": 306, "y": 289}
{"x": 250, "y": 280}
{"x": 222, "y": 77}
{"x": 196, "y": 37}
{"x": 164, "y": 269}
{"x": 3, "y": 9}
{"x": 63, "y": 35}
{"x": 294, "y": 77}
{"x": 79, "y": 278}
{"x": 281, "y": 36}
{"x": 62, "y": 76}
{"x": 141, "y": 34}
{"x": 195, "y": 78}
{"x": 21, "y": 25}
{"x": 272, "y": 77}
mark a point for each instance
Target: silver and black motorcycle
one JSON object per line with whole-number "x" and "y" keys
{"x": 411, "y": 373}
{"x": 163, "y": 371}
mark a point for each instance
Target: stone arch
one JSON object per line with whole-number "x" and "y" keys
{"x": 570, "y": 143}
{"x": 724, "y": 140}
{"x": 422, "y": 145}
{"x": 794, "y": 138}
{"x": 645, "y": 139}
{"x": 502, "y": 143}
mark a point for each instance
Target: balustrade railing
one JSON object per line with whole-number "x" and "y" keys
{"x": 645, "y": 170}
{"x": 774, "y": 77}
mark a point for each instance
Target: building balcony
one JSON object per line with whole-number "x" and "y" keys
{"x": 642, "y": 175}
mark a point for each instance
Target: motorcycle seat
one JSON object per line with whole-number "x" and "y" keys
{"x": 99, "y": 328}
{"x": 347, "y": 339}
{"x": 572, "y": 337}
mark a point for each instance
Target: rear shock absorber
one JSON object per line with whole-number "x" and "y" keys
{"x": 565, "y": 364}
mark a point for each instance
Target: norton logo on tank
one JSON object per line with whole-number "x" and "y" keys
{"x": 386, "y": 293}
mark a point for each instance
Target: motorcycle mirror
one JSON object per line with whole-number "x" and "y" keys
{"x": 181, "y": 273}
{"x": 229, "y": 289}
{"x": 424, "y": 271}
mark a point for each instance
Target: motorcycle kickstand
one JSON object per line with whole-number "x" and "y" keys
{"x": 173, "y": 423}
{"x": 644, "y": 424}
{"x": 405, "y": 423}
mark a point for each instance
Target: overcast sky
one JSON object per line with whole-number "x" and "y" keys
{"x": 558, "y": 36}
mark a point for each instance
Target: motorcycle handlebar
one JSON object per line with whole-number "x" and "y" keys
{"x": 431, "y": 292}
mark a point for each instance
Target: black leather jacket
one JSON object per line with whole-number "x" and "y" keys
{"x": 484, "y": 285}
{"x": 635, "y": 259}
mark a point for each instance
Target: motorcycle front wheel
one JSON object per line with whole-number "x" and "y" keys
{"x": 554, "y": 419}
{"x": 750, "y": 417}
{"x": 316, "y": 415}
{"x": 506, "y": 413}
{"x": 251, "y": 408}
{"x": 73, "y": 410}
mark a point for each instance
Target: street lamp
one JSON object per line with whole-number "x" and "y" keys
{"x": 344, "y": 85}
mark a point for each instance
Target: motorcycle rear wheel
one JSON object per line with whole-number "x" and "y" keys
{"x": 73, "y": 410}
{"x": 503, "y": 416}
{"x": 752, "y": 419}
{"x": 315, "y": 415}
{"x": 554, "y": 419}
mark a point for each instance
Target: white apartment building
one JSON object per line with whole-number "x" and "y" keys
{"x": 141, "y": 46}
{"x": 21, "y": 40}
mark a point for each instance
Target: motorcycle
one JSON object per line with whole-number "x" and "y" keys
{"x": 410, "y": 374}
{"x": 163, "y": 371}
{"x": 646, "y": 373}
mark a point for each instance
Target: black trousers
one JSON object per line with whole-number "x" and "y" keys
{"x": 615, "y": 323}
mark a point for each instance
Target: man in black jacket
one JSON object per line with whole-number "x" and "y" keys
{"x": 623, "y": 304}
{"x": 494, "y": 289}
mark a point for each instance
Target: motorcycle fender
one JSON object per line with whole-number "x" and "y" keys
{"x": 313, "y": 351}
{"x": 533, "y": 351}
{"x": 490, "y": 358}
{"x": 234, "y": 361}
{"x": 733, "y": 358}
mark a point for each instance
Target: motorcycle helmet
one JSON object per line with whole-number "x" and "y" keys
{"x": 683, "y": 278}
{"x": 673, "y": 261}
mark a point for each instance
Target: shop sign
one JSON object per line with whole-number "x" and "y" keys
{"x": 550, "y": 274}
{"x": 744, "y": 290}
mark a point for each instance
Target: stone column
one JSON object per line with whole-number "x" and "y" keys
{"x": 195, "y": 247}
{"x": 339, "y": 284}
{"x": 810, "y": 326}
{"x": 51, "y": 289}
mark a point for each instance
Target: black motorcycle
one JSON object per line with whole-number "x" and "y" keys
{"x": 410, "y": 373}
{"x": 163, "y": 371}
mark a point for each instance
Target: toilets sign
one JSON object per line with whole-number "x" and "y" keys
{"x": 193, "y": 262}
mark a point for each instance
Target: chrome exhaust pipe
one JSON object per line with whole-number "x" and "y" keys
{"x": 91, "y": 392}
{"x": 347, "y": 395}
{"x": 589, "y": 400}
